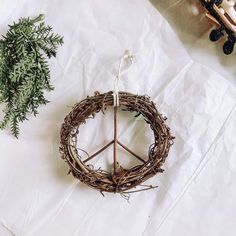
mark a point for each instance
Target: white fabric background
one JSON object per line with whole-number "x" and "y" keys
{"x": 196, "y": 194}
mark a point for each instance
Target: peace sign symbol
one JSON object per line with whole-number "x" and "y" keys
{"x": 119, "y": 180}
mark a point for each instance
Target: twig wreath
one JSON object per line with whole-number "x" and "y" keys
{"x": 120, "y": 180}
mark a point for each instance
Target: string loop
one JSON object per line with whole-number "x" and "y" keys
{"x": 127, "y": 59}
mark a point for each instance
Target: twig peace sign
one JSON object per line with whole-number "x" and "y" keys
{"x": 120, "y": 180}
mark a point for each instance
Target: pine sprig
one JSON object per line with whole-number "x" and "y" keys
{"x": 24, "y": 70}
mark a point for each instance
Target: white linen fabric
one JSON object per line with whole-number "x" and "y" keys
{"x": 197, "y": 191}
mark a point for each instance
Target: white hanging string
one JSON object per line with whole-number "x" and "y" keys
{"x": 128, "y": 59}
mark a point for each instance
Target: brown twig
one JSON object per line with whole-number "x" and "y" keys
{"x": 115, "y": 140}
{"x": 99, "y": 151}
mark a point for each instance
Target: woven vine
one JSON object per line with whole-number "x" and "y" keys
{"x": 120, "y": 180}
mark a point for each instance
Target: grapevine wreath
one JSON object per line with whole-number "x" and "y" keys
{"x": 120, "y": 180}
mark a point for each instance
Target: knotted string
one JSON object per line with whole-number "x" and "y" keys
{"x": 126, "y": 58}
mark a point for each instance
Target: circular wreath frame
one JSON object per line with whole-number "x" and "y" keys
{"x": 123, "y": 180}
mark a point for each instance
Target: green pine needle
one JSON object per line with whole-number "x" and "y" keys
{"x": 24, "y": 70}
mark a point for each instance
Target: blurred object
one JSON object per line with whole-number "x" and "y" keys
{"x": 222, "y": 13}
{"x": 228, "y": 7}
{"x": 193, "y": 30}
{"x": 183, "y": 15}
{"x": 194, "y": 9}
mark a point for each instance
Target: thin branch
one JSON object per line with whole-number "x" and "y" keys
{"x": 141, "y": 190}
{"x": 99, "y": 151}
{"x": 131, "y": 152}
{"x": 115, "y": 140}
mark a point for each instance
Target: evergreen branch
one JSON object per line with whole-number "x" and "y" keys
{"x": 24, "y": 70}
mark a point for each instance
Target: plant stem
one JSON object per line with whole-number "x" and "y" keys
{"x": 40, "y": 17}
